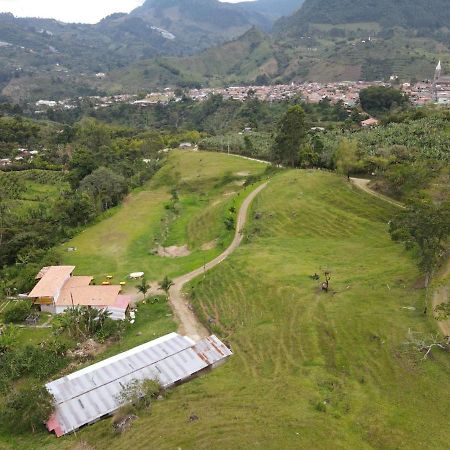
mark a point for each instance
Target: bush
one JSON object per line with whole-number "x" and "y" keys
{"x": 37, "y": 361}
{"x": 18, "y": 312}
{"x": 26, "y": 409}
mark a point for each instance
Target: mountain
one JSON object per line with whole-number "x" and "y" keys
{"x": 239, "y": 61}
{"x": 271, "y": 9}
{"x": 410, "y": 14}
{"x": 47, "y": 58}
{"x": 200, "y": 23}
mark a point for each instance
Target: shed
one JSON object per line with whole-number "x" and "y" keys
{"x": 92, "y": 393}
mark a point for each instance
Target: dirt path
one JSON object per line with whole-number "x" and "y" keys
{"x": 363, "y": 184}
{"x": 442, "y": 293}
{"x": 189, "y": 325}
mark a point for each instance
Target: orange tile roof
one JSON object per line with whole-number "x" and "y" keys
{"x": 64, "y": 298}
{"x": 91, "y": 296}
{"x": 52, "y": 281}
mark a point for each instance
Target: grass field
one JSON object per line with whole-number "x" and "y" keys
{"x": 310, "y": 370}
{"x": 207, "y": 185}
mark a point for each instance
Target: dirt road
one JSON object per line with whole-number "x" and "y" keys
{"x": 363, "y": 184}
{"x": 189, "y": 325}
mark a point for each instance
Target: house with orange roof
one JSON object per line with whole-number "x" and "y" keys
{"x": 58, "y": 289}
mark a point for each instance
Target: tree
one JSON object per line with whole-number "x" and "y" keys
{"x": 27, "y": 408}
{"x": 425, "y": 227}
{"x": 166, "y": 284}
{"x": 82, "y": 322}
{"x": 143, "y": 287}
{"x": 290, "y": 137}
{"x": 105, "y": 186}
{"x": 379, "y": 100}
{"x": 346, "y": 157}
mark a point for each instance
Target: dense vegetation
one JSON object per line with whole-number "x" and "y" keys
{"x": 94, "y": 165}
{"x": 431, "y": 16}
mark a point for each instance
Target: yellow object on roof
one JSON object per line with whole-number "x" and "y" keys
{"x": 106, "y": 283}
{"x": 109, "y": 277}
{"x": 123, "y": 283}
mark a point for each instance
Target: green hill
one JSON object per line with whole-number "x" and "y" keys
{"x": 310, "y": 370}
{"x": 412, "y": 14}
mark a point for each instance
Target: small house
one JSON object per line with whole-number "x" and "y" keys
{"x": 57, "y": 289}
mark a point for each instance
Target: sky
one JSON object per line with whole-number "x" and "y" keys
{"x": 83, "y": 11}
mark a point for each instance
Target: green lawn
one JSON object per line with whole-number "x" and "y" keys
{"x": 124, "y": 240}
{"x": 310, "y": 370}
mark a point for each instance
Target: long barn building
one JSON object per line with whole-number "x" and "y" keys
{"x": 90, "y": 394}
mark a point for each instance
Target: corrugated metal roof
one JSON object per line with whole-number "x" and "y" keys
{"x": 88, "y": 394}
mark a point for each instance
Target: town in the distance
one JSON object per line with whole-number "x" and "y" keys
{"x": 435, "y": 90}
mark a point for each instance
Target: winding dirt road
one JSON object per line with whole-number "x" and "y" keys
{"x": 189, "y": 324}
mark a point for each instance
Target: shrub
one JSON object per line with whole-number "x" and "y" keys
{"x": 26, "y": 409}
{"x": 18, "y": 312}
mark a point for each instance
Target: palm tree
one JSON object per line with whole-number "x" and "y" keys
{"x": 144, "y": 287}
{"x": 166, "y": 284}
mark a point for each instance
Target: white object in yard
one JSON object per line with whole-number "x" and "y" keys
{"x": 136, "y": 275}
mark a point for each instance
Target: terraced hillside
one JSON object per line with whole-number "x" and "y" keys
{"x": 311, "y": 370}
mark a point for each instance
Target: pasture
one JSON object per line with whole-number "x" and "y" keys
{"x": 311, "y": 369}
{"x": 125, "y": 238}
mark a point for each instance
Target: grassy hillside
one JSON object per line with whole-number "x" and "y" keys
{"x": 310, "y": 370}
{"x": 207, "y": 185}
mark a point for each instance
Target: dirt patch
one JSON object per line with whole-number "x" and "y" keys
{"x": 209, "y": 245}
{"x": 173, "y": 251}
{"x": 239, "y": 182}
{"x": 242, "y": 174}
{"x": 86, "y": 349}
{"x": 229, "y": 194}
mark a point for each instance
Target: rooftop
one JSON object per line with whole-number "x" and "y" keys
{"x": 51, "y": 281}
{"x": 87, "y": 395}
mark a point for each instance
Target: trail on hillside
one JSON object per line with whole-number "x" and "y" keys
{"x": 189, "y": 324}
{"x": 363, "y": 184}
{"x": 440, "y": 294}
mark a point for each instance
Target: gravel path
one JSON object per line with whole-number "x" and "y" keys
{"x": 189, "y": 324}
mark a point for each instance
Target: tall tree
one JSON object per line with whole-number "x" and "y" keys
{"x": 346, "y": 157}
{"x": 425, "y": 227}
{"x": 290, "y": 137}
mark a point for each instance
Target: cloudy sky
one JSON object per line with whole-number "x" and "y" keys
{"x": 85, "y": 11}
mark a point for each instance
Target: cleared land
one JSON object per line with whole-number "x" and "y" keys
{"x": 311, "y": 370}
{"x": 207, "y": 185}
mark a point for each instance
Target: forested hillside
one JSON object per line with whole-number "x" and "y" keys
{"x": 431, "y": 15}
